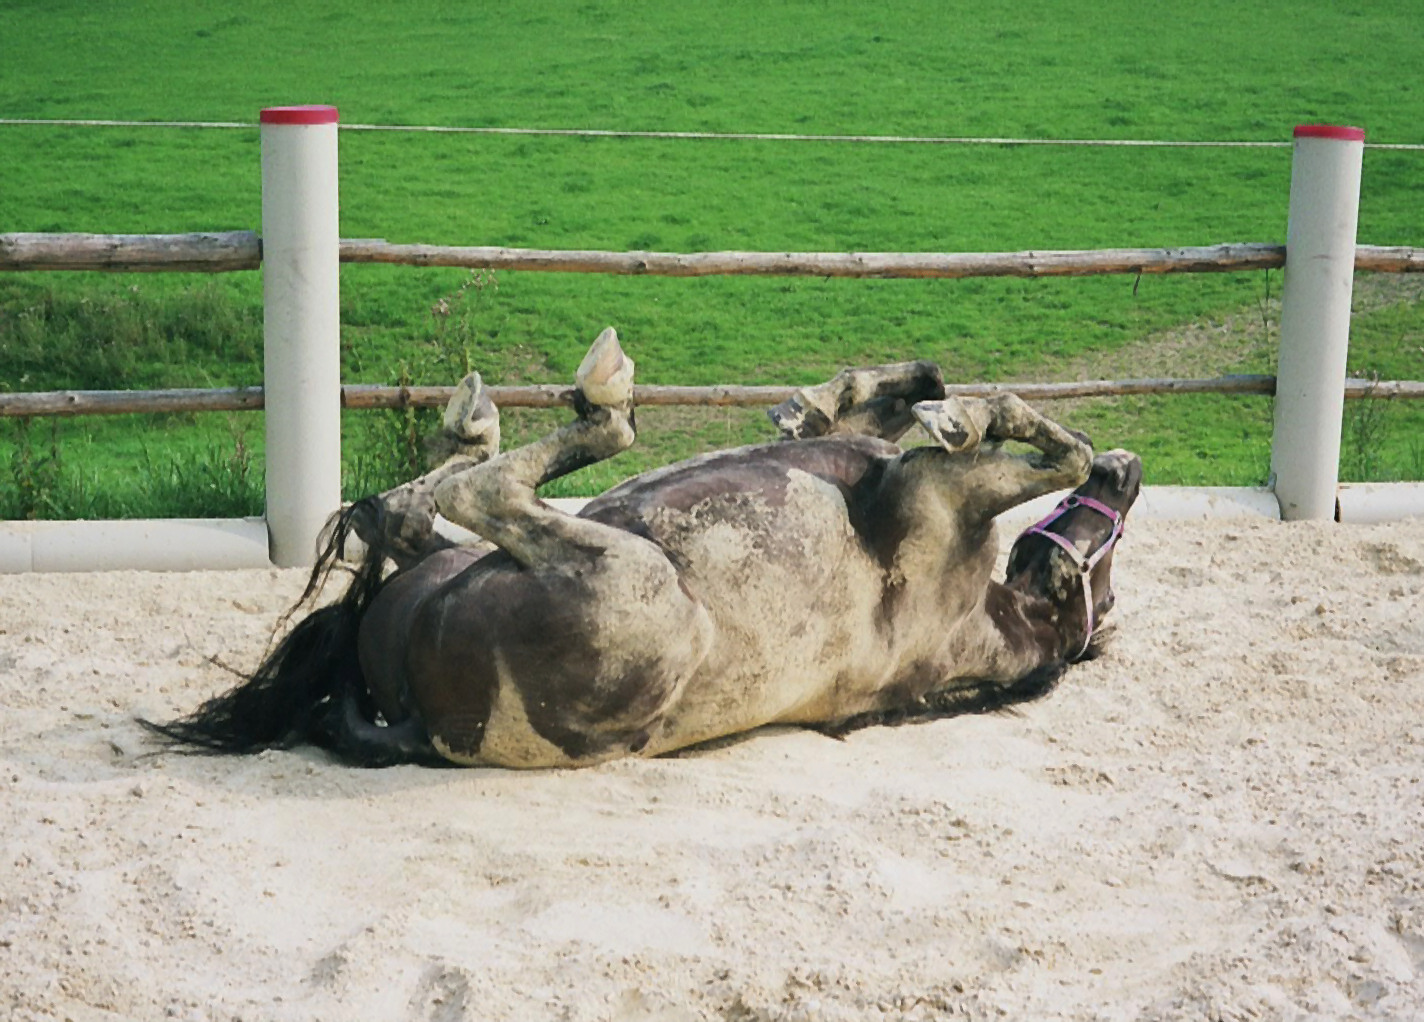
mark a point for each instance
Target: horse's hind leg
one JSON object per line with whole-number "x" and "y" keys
{"x": 874, "y": 401}
{"x": 497, "y": 499}
{"x": 402, "y": 519}
{"x": 581, "y": 667}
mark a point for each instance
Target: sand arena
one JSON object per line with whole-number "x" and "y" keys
{"x": 1220, "y": 818}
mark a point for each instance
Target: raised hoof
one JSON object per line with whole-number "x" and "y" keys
{"x": 605, "y": 376}
{"x": 470, "y": 427}
{"x": 956, "y": 424}
{"x": 798, "y": 418}
{"x": 470, "y": 415}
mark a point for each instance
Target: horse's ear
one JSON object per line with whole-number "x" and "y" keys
{"x": 1017, "y": 560}
{"x": 1021, "y": 554}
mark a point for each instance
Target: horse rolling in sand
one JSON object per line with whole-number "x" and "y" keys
{"x": 828, "y": 580}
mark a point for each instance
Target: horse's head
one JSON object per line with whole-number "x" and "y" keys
{"x": 1067, "y": 557}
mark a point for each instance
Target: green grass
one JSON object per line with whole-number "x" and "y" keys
{"x": 1384, "y": 439}
{"x": 1208, "y": 70}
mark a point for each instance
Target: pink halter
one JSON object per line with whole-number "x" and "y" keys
{"x": 1085, "y": 565}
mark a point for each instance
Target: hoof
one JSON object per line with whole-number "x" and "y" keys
{"x": 956, "y": 424}
{"x": 470, "y": 427}
{"x": 470, "y": 415}
{"x": 798, "y": 417}
{"x": 605, "y": 377}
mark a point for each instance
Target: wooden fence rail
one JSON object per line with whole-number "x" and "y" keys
{"x": 1227, "y": 258}
{"x": 373, "y": 396}
{"x": 140, "y": 253}
{"x": 242, "y": 250}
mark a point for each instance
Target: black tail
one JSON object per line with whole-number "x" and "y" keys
{"x": 309, "y": 688}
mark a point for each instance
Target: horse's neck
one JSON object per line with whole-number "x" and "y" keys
{"x": 1035, "y": 628}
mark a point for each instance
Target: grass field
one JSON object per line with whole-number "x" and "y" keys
{"x": 1202, "y": 71}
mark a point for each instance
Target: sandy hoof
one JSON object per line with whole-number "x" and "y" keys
{"x": 956, "y": 424}
{"x": 470, "y": 415}
{"x": 800, "y": 417}
{"x": 605, "y": 376}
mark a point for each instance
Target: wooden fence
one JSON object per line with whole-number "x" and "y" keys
{"x": 301, "y": 324}
{"x": 242, "y": 250}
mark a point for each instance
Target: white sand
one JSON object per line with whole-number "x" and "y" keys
{"x": 1222, "y": 818}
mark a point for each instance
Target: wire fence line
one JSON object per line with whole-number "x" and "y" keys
{"x": 743, "y": 136}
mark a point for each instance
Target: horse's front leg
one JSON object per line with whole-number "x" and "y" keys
{"x": 1061, "y": 458}
{"x": 874, "y": 401}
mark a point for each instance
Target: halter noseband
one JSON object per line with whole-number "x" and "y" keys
{"x": 1085, "y": 565}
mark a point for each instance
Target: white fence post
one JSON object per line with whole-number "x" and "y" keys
{"x": 1315, "y": 319}
{"x": 301, "y": 289}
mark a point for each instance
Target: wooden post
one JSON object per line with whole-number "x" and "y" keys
{"x": 301, "y": 289}
{"x": 1315, "y": 319}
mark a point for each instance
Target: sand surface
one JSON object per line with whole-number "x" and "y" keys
{"x": 1221, "y": 818}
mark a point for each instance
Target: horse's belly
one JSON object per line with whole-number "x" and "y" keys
{"x": 793, "y": 598}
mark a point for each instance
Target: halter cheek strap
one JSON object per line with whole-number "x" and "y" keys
{"x": 1084, "y": 564}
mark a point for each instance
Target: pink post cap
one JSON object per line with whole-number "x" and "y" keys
{"x": 299, "y": 115}
{"x": 1334, "y": 131}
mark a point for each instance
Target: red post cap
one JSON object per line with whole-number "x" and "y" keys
{"x": 1334, "y": 131}
{"x": 299, "y": 115}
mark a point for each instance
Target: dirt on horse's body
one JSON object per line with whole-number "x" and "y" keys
{"x": 804, "y": 582}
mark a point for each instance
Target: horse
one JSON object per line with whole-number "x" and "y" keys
{"x": 830, "y": 579}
